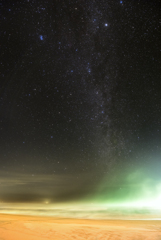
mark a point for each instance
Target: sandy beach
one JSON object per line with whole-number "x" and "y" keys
{"x": 17, "y": 227}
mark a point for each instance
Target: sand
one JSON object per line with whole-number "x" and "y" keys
{"x": 16, "y": 227}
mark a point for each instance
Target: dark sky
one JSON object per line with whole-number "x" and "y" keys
{"x": 80, "y": 98}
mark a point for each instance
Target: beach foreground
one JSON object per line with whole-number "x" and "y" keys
{"x": 17, "y": 227}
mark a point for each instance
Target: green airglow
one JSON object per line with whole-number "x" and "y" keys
{"x": 134, "y": 189}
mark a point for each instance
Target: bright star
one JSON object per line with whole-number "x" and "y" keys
{"x": 106, "y": 24}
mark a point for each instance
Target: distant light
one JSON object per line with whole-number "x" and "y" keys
{"x": 51, "y": 136}
{"x": 41, "y": 37}
{"x": 71, "y": 70}
{"x": 120, "y": 1}
{"x": 106, "y": 24}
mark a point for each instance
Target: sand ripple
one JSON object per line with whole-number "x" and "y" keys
{"x": 14, "y": 227}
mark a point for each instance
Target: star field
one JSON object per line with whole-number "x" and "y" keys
{"x": 80, "y": 95}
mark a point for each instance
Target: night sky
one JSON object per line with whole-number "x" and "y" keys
{"x": 80, "y": 101}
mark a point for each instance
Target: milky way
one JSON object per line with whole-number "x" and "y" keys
{"x": 80, "y": 100}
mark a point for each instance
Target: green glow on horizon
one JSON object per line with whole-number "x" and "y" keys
{"x": 149, "y": 203}
{"x": 134, "y": 194}
{"x": 136, "y": 189}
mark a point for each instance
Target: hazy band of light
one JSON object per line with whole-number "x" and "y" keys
{"x": 140, "y": 210}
